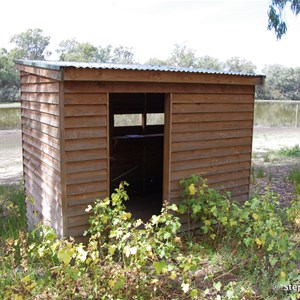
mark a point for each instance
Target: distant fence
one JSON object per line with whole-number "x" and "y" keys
{"x": 277, "y": 113}
{"x": 267, "y": 113}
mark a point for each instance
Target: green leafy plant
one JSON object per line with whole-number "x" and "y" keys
{"x": 227, "y": 247}
{"x": 152, "y": 248}
{"x": 257, "y": 225}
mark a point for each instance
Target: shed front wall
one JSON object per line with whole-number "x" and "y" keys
{"x": 211, "y": 135}
{"x": 86, "y": 155}
{"x": 41, "y": 150}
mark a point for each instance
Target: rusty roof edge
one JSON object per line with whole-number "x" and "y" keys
{"x": 58, "y": 65}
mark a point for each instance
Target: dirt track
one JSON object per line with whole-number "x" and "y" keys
{"x": 10, "y": 156}
{"x": 11, "y": 153}
{"x": 265, "y": 139}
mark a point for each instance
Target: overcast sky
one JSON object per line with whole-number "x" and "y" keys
{"x": 220, "y": 29}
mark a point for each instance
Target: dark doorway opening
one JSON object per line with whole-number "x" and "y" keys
{"x": 137, "y": 149}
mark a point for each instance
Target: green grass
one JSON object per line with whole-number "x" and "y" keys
{"x": 289, "y": 151}
{"x": 12, "y": 211}
{"x": 294, "y": 177}
{"x": 273, "y": 155}
{"x": 260, "y": 173}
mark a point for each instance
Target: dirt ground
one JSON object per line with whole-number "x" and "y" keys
{"x": 10, "y": 156}
{"x": 269, "y": 171}
{"x": 264, "y": 139}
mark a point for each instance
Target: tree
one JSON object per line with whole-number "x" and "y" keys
{"x": 156, "y": 62}
{"x": 276, "y": 17}
{"x": 182, "y": 56}
{"x": 281, "y": 83}
{"x": 72, "y": 50}
{"x": 31, "y": 44}
{"x": 9, "y": 79}
{"x": 209, "y": 63}
{"x": 122, "y": 55}
{"x": 235, "y": 64}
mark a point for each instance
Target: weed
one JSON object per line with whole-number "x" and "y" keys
{"x": 257, "y": 225}
{"x": 289, "y": 151}
{"x": 267, "y": 157}
{"x": 260, "y": 173}
{"x": 294, "y": 177}
{"x": 12, "y": 211}
{"x": 270, "y": 176}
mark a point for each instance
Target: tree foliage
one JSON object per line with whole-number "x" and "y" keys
{"x": 209, "y": 63}
{"x": 235, "y": 64}
{"x": 276, "y": 15}
{"x": 30, "y": 44}
{"x": 281, "y": 83}
{"x": 72, "y": 50}
{"x": 182, "y": 56}
{"x": 9, "y": 79}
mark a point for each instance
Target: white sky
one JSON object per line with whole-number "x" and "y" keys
{"x": 220, "y": 29}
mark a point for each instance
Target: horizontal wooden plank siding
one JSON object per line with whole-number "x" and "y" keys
{"x": 81, "y": 87}
{"x": 212, "y": 137}
{"x": 41, "y": 150}
{"x": 86, "y": 154}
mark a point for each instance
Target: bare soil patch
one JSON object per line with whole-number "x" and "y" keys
{"x": 271, "y": 173}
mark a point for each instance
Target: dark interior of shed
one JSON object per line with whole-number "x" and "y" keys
{"x": 136, "y": 149}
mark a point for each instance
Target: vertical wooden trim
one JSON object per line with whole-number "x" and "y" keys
{"x": 22, "y": 137}
{"x": 251, "y": 144}
{"x": 144, "y": 115}
{"x": 167, "y": 147}
{"x": 62, "y": 156}
{"x": 108, "y": 132}
{"x": 144, "y": 125}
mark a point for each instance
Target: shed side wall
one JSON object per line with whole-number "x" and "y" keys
{"x": 212, "y": 137}
{"x": 86, "y": 155}
{"x": 41, "y": 150}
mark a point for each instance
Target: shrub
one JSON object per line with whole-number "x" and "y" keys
{"x": 257, "y": 225}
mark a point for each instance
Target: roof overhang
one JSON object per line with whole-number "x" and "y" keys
{"x": 74, "y": 71}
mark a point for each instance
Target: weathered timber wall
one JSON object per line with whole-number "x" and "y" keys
{"x": 86, "y": 154}
{"x": 211, "y": 135}
{"x": 41, "y": 150}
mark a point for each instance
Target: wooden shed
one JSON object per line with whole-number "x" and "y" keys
{"x": 86, "y": 127}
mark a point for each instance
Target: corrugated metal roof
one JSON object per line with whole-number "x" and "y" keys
{"x": 57, "y": 65}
